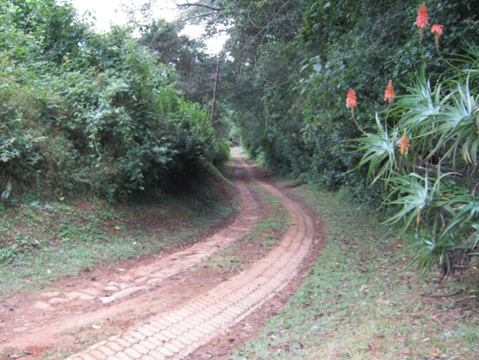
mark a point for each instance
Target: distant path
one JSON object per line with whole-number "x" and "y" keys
{"x": 175, "y": 334}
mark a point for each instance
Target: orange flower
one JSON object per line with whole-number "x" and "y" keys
{"x": 404, "y": 144}
{"x": 422, "y": 21}
{"x": 422, "y": 18}
{"x": 389, "y": 94}
{"x": 437, "y": 31}
{"x": 351, "y": 101}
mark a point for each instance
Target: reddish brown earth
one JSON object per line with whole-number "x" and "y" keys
{"x": 81, "y": 313}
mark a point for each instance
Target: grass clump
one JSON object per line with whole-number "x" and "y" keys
{"x": 360, "y": 303}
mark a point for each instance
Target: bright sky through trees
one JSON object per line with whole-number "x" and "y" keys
{"x": 108, "y": 12}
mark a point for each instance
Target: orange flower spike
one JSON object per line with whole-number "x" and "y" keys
{"x": 422, "y": 19}
{"x": 437, "y": 31}
{"x": 351, "y": 100}
{"x": 389, "y": 94}
{"x": 404, "y": 144}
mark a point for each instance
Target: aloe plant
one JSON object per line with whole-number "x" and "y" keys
{"x": 379, "y": 152}
{"x": 432, "y": 176}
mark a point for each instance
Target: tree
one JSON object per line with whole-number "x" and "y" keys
{"x": 103, "y": 119}
{"x": 194, "y": 68}
{"x": 57, "y": 24}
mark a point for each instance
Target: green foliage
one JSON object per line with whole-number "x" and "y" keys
{"x": 223, "y": 154}
{"x": 418, "y": 196}
{"x": 431, "y": 248}
{"x": 194, "y": 69}
{"x": 293, "y": 65}
{"x": 56, "y": 26}
{"x": 92, "y": 113}
{"x": 440, "y": 208}
{"x": 290, "y": 69}
{"x": 379, "y": 152}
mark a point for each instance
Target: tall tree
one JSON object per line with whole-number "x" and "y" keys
{"x": 194, "y": 68}
{"x": 58, "y": 24}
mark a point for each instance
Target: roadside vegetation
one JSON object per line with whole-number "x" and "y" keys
{"x": 99, "y": 114}
{"x": 379, "y": 99}
{"x": 93, "y": 128}
{"x": 53, "y": 239}
{"x": 360, "y": 302}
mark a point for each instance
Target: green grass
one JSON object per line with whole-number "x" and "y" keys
{"x": 273, "y": 222}
{"x": 41, "y": 242}
{"x": 359, "y": 303}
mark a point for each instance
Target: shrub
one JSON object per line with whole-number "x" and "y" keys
{"x": 102, "y": 119}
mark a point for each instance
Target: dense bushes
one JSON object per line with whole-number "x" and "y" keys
{"x": 99, "y": 117}
{"x": 427, "y": 161}
{"x": 421, "y": 152}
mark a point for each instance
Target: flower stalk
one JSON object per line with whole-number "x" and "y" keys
{"x": 437, "y": 31}
{"x": 404, "y": 144}
{"x": 422, "y": 21}
{"x": 352, "y": 102}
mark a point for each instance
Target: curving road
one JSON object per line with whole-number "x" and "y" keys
{"x": 175, "y": 334}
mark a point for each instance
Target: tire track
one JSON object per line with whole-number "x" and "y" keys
{"x": 176, "y": 334}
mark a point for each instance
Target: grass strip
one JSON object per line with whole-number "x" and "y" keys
{"x": 253, "y": 246}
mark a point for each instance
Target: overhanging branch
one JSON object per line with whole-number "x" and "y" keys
{"x": 198, "y": 16}
{"x": 210, "y": 7}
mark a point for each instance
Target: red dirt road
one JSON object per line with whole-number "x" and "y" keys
{"x": 166, "y": 308}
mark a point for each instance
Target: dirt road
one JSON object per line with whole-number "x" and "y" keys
{"x": 173, "y": 323}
